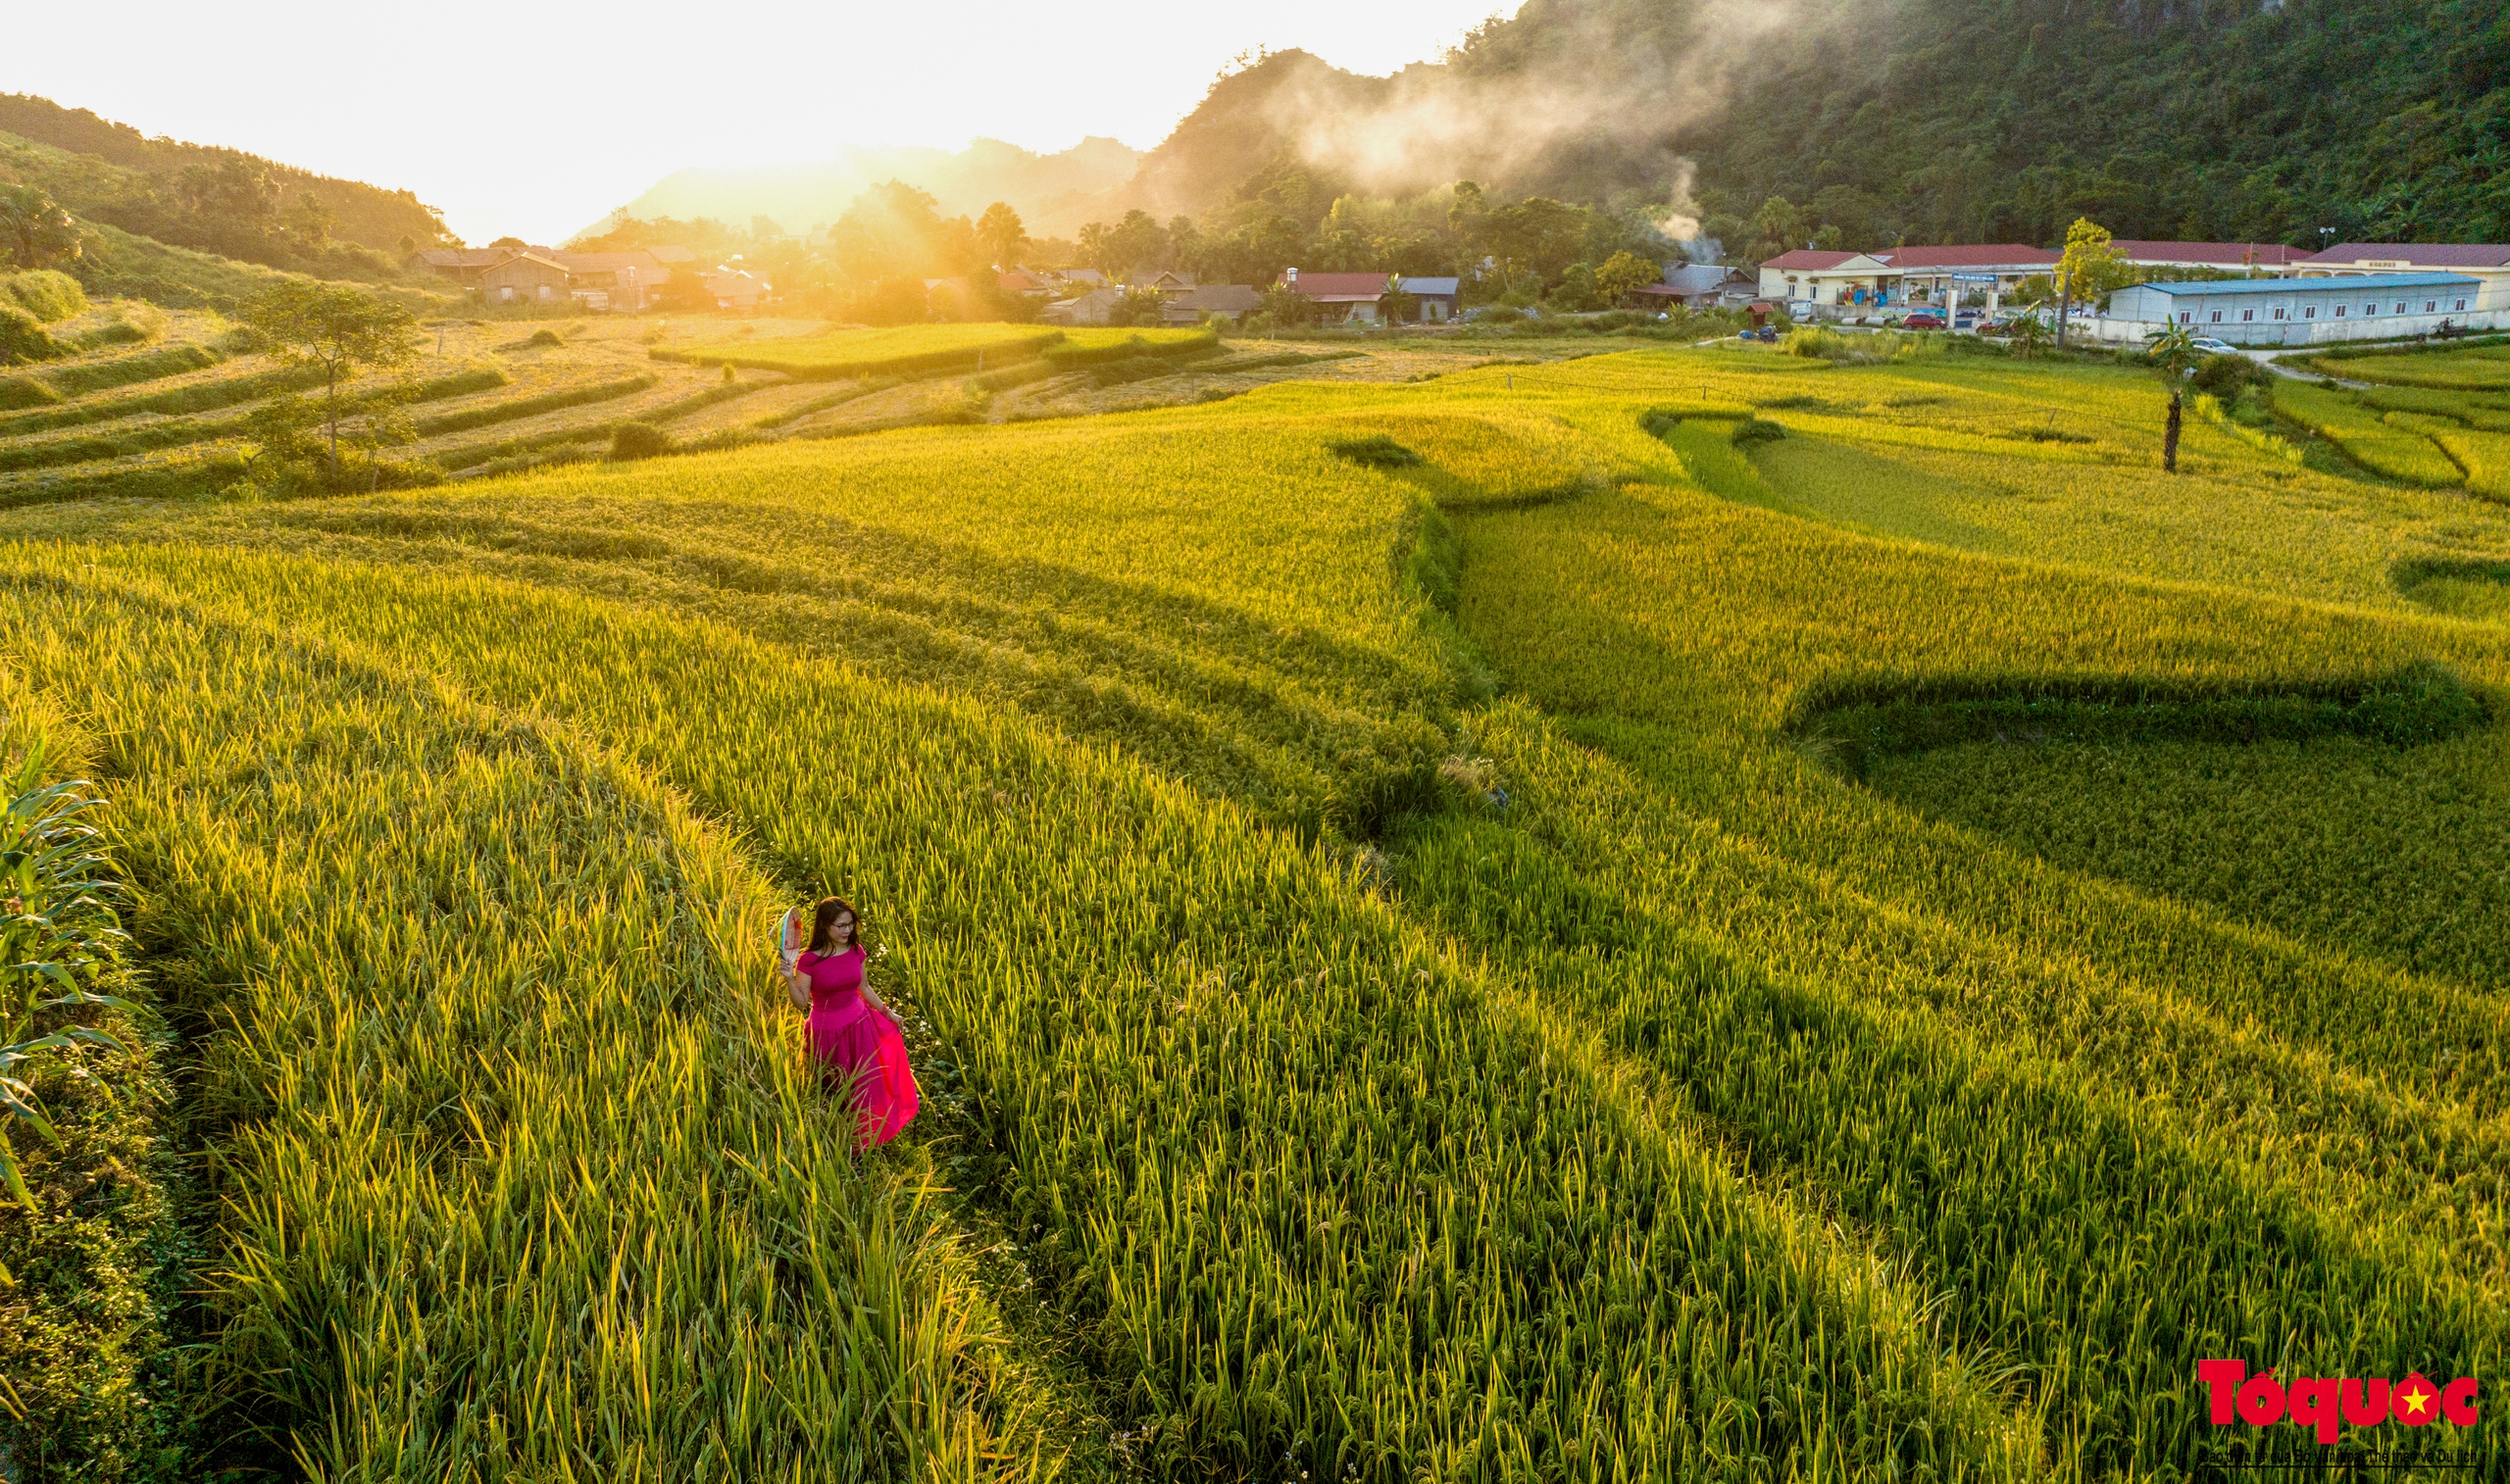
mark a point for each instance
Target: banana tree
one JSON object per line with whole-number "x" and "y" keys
{"x": 2173, "y": 355}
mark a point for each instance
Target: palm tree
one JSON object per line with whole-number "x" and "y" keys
{"x": 2173, "y": 355}
{"x": 1098, "y": 244}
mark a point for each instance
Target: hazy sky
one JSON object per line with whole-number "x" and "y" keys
{"x": 535, "y": 118}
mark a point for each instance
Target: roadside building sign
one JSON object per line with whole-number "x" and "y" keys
{"x": 1983, "y": 278}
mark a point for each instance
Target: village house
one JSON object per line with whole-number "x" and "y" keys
{"x": 627, "y": 280}
{"x": 1211, "y": 301}
{"x": 624, "y": 280}
{"x": 735, "y": 288}
{"x": 1810, "y": 277}
{"x": 1339, "y": 298}
{"x": 1436, "y": 300}
{"x": 1938, "y": 275}
{"x": 465, "y": 265}
{"x": 525, "y": 278}
{"x": 1093, "y": 307}
{"x": 1694, "y": 286}
{"x": 1165, "y": 282}
{"x": 2489, "y": 262}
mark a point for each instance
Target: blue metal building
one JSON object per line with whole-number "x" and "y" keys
{"x": 2298, "y": 311}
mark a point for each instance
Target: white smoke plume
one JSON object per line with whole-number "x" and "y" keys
{"x": 1600, "y": 85}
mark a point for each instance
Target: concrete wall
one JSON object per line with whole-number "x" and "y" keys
{"x": 2125, "y": 332}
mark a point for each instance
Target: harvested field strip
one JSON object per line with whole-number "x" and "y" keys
{"x": 198, "y": 397}
{"x": 910, "y": 349}
{"x": 657, "y": 404}
{"x": 1365, "y": 1322}
{"x": 146, "y": 437}
{"x": 776, "y": 407}
{"x": 191, "y": 470}
{"x": 526, "y": 407}
{"x": 531, "y": 1056}
{"x": 1080, "y": 348}
{"x": 78, "y": 378}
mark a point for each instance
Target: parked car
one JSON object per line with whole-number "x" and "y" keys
{"x": 2213, "y": 347}
{"x": 1922, "y": 320}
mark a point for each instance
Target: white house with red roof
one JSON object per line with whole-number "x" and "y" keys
{"x": 1815, "y": 276}
{"x": 1849, "y": 283}
{"x": 1932, "y": 274}
{"x": 2487, "y": 263}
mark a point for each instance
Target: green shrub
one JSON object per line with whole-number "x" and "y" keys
{"x": 1376, "y": 452}
{"x": 1753, "y": 430}
{"x": 48, "y": 294}
{"x": 25, "y": 391}
{"x": 638, "y": 440}
{"x": 545, "y": 337}
{"x": 22, "y": 337}
{"x": 2224, "y": 377}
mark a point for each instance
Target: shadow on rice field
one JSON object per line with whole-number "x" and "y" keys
{"x": 2461, "y": 587}
{"x": 2358, "y": 818}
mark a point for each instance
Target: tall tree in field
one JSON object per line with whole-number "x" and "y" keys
{"x": 2089, "y": 269}
{"x": 1623, "y": 275}
{"x": 337, "y": 329}
{"x": 2175, "y": 356}
{"x": 1001, "y": 233}
{"x": 35, "y": 230}
{"x": 1538, "y": 235}
{"x": 1779, "y": 227}
{"x": 1137, "y": 242}
{"x": 1467, "y": 220}
{"x": 1097, "y": 243}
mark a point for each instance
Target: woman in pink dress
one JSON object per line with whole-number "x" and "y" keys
{"x": 852, "y": 1035}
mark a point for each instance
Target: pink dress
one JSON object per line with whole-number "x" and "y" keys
{"x": 853, "y": 1042}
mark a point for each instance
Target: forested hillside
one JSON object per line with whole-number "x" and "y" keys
{"x": 216, "y": 200}
{"x": 1920, "y": 120}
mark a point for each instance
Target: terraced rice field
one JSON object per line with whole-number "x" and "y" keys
{"x": 1477, "y": 929}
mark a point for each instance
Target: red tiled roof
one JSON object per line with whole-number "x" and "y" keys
{"x": 2226, "y": 254}
{"x": 1988, "y": 254}
{"x": 2415, "y": 254}
{"x": 1807, "y": 258}
{"x": 1341, "y": 286}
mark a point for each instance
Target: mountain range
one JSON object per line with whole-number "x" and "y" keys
{"x": 1042, "y": 188}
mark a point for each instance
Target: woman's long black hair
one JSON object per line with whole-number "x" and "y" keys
{"x": 826, "y": 918}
